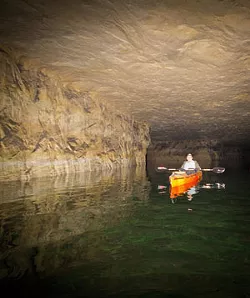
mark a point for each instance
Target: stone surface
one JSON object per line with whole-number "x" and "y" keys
{"x": 209, "y": 154}
{"x": 47, "y": 129}
{"x": 183, "y": 66}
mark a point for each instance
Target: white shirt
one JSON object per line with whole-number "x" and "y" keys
{"x": 188, "y": 165}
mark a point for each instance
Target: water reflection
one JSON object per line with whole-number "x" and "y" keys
{"x": 114, "y": 235}
{"x": 37, "y": 218}
{"x": 188, "y": 190}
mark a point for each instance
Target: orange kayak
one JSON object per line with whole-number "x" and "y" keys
{"x": 181, "y": 190}
{"x": 181, "y": 182}
{"x": 179, "y": 178}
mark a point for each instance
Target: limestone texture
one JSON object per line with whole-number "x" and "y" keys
{"x": 48, "y": 128}
{"x": 181, "y": 65}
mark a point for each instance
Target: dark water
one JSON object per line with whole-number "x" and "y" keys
{"x": 120, "y": 236}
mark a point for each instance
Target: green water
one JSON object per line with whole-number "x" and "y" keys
{"x": 119, "y": 236}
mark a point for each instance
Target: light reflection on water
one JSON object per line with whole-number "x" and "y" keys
{"x": 47, "y": 210}
{"x": 109, "y": 235}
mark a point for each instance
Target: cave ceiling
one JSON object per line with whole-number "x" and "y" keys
{"x": 182, "y": 66}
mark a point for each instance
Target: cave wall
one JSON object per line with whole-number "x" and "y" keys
{"x": 50, "y": 128}
{"x": 209, "y": 153}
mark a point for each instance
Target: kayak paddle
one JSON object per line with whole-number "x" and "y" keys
{"x": 217, "y": 170}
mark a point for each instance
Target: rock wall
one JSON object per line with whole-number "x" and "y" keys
{"x": 49, "y": 128}
{"x": 209, "y": 153}
{"x": 173, "y": 153}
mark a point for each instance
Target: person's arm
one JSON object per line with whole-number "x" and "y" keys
{"x": 197, "y": 166}
{"x": 182, "y": 167}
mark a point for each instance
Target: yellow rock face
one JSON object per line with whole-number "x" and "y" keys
{"x": 49, "y": 129}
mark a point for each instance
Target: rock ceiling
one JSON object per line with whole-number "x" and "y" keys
{"x": 183, "y": 66}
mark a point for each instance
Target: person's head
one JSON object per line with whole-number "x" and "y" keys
{"x": 189, "y": 157}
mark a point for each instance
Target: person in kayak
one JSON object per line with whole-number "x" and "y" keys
{"x": 190, "y": 166}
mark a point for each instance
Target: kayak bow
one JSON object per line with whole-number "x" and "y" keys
{"x": 179, "y": 178}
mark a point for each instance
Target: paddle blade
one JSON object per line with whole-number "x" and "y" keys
{"x": 218, "y": 170}
{"x": 161, "y": 169}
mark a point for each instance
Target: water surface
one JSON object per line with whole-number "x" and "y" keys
{"x": 118, "y": 235}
